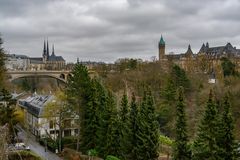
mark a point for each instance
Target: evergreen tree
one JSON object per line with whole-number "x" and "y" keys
{"x": 7, "y": 112}
{"x": 179, "y": 77}
{"x": 205, "y": 145}
{"x": 181, "y": 150}
{"x": 112, "y": 146}
{"x": 90, "y": 119}
{"x": 147, "y": 135}
{"x": 124, "y": 128}
{"x": 169, "y": 92}
{"x": 78, "y": 94}
{"x": 133, "y": 128}
{"x": 103, "y": 116}
{"x": 225, "y": 137}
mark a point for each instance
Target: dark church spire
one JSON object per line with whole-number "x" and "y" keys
{"x": 47, "y": 50}
{"x": 53, "y": 54}
{"x": 44, "y": 49}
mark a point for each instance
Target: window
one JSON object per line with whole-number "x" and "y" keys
{"x": 67, "y": 133}
{"x": 51, "y": 124}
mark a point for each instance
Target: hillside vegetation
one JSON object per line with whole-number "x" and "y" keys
{"x": 164, "y": 80}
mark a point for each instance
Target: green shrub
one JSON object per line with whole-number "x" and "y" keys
{"x": 110, "y": 157}
{"x": 92, "y": 152}
{"x": 165, "y": 140}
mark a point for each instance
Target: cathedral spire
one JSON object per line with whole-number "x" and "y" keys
{"x": 53, "y": 54}
{"x": 44, "y": 48}
{"x": 47, "y": 50}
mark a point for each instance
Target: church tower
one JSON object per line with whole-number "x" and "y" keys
{"x": 44, "y": 55}
{"x": 161, "y": 47}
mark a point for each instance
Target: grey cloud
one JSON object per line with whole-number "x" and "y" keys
{"x": 105, "y": 29}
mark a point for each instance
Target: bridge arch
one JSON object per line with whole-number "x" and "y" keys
{"x": 25, "y": 76}
{"x": 62, "y": 76}
{"x": 59, "y": 75}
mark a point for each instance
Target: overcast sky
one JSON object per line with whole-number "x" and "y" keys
{"x": 105, "y": 30}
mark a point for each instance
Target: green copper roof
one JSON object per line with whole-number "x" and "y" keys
{"x": 162, "y": 42}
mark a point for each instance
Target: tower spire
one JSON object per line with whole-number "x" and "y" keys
{"x": 53, "y": 54}
{"x": 44, "y": 48}
{"x": 47, "y": 50}
{"x": 161, "y": 48}
{"x": 189, "y": 50}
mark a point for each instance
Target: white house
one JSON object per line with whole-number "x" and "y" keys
{"x": 38, "y": 124}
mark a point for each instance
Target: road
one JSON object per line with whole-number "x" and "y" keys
{"x": 29, "y": 140}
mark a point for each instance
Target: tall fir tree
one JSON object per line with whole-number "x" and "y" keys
{"x": 133, "y": 128}
{"x": 103, "y": 116}
{"x": 78, "y": 94}
{"x": 90, "y": 119}
{"x": 205, "y": 144}
{"x": 225, "y": 138}
{"x": 181, "y": 149}
{"x": 7, "y": 112}
{"x": 180, "y": 78}
{"x": 124, "y": 128}
{"x": 147, "y": 135}
{"x": 112, "y": 133}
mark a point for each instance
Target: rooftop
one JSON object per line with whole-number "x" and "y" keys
{"x": 35, "y": 104}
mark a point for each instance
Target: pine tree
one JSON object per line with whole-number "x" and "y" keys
{"x": 112, "y": 135}
{"x": 225, "y": 137}
{"x": 78, "y": 93}
{"x": 205, "y": 145}
{"x": 124, "y": 128}
{"x": 103, "y": 116}
{"x": 133, "y": 128}
{"x": 180, "y": 78}
{"x": 90, "y": 119}
{"x": 7, "y": 112}
{"x": 169, "y": 92}
{"x": 181, "y": 150}
{"x": 147, "y": 135}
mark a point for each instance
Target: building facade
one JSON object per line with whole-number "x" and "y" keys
{"x": 17, "y": 62}
{"x": 46, "y": 62}
{"x": 36, "y": 121}
{"x": 206, "y": 60}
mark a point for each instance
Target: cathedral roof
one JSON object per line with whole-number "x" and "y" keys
{"x": 55, "y": 58}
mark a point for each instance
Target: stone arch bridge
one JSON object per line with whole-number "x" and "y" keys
{"x": 60, "y": 75}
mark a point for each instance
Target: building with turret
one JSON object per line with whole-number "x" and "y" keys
{"x": 207, "y": 59}
{"x": 161, "y": 48}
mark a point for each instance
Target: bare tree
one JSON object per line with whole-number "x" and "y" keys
{"x": 3, "y": 142}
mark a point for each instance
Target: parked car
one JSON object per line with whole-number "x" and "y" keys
{"x": 21, "y": 146}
